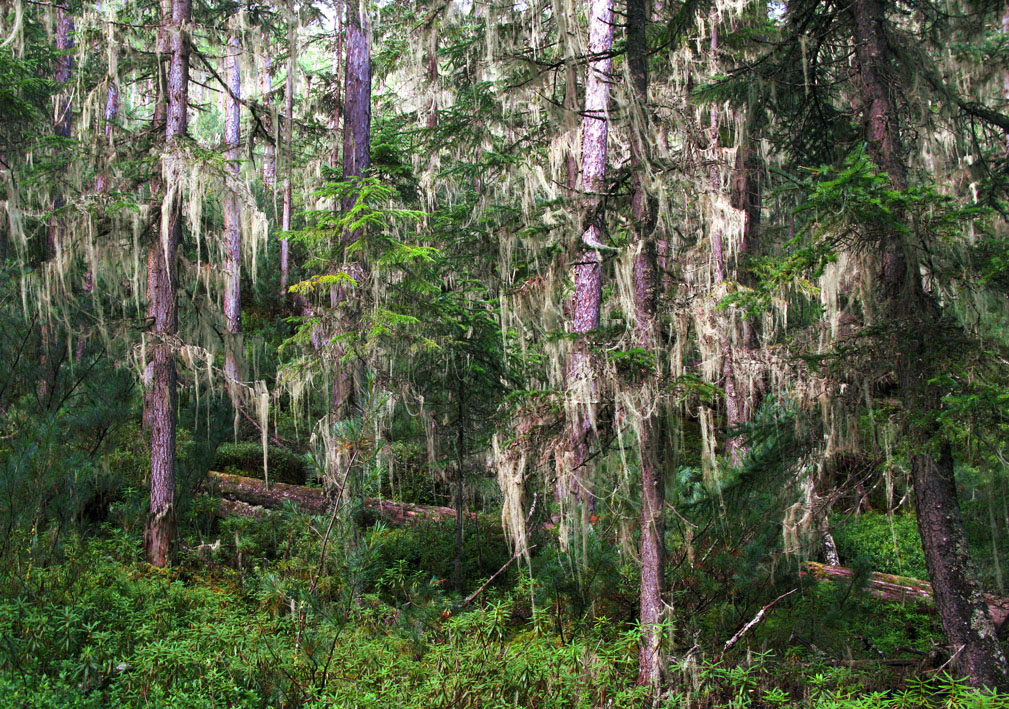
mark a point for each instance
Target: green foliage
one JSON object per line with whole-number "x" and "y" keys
{"x": 886, "y": 543}
{"x": 429, "y": 547}
{"x": 246, "y": 458}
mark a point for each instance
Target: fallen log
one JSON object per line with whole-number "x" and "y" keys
{"x": 251, "y": 497}
{"x": 891, "y": 587}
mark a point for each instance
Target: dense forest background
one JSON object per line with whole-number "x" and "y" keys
{"x": 541, "y": 354}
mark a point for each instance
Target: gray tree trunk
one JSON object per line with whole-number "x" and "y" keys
{"x": 232, "y": 212}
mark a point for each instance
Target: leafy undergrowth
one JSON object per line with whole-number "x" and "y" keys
{"x": 257, "y": 621}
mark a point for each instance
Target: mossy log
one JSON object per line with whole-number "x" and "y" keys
{"x": 249, "y": 497}
{"x": 890, "y": 587}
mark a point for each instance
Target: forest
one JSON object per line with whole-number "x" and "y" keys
{"x": 538, "y": 353}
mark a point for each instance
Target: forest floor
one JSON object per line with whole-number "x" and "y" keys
{"x": 256, "y": 613}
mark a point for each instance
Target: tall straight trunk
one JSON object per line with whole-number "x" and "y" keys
{"x": 6, "y": 228}
{"x": 735, "y": 410}
{"x": 162, "y": 279}
{"x": 111, "y": 112}
{"x": 163, "y": 49}
{"x": 269, "y": 151}
{"x": 651, "y": 606}
{"x": 338, "y": 34}
{"x": 460, "y": 479}
{"x": 232, "y": 213}
{"x": 62, "y": 123}
{"x": 1005, "y": 71}
{"x": 285, "y": 220}
{"x": 101, "y": 186}
{"x": 587, "y": 298}
{"x": 966, "y": 622}
{"x": 746, "y": 198}
{"x": 357, "y": 97}
{"x": 432, "y": 73}
{"x": 356, "y": 156}
{"x": 62, "y": 114}
{"x": 564, "y": 12}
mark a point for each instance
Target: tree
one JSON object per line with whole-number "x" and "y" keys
{"x": 232, "y": 209}
{"x": 964, "y": 614}
{"x": 356, "y": 163}
{"x": 162, "y": 278}
{"x": 646, "y": 288}
{"x": 586, "y": 302}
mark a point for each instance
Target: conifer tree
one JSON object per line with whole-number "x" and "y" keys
{"x": 162, "y": 279}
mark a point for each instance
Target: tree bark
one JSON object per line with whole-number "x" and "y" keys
{"x": 62, "y": 116}
{"x": 338, "y": 33}
{"x": 160, "y": 401}
{"x": 735, "y": 408}
{"x": 966, "y": 622}
{"x": 269, "y": 150}
{"x": 890, "y": 587}
{"x": 356, "y": 164}
{"x": 256, "y": 493}
{"x": 651, "y": 606}
{"x": 587, "y": 276}
{"x": 285, "y": 223}
{"x": 111, "y": 112}
{"x": 232, "y": 213}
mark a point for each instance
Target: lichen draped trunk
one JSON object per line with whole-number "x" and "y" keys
{"x": 587, "y": 269}
{"x": 966, "y": 622}
{"x": 160, "y": 401}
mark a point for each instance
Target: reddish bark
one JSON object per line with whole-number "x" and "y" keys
{"x": 587, "y": 298}
{"x": 651, "y": 606}
{"x": 966, "y": 624}
{"x": 900, "y": 589}
{"x": 338, "y": 32}
{"x": 356, "y": 162}
{"x": 160, "y": 400}
{"x": 256, "y": 494}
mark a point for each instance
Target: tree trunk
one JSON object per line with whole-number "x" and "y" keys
{"x": 111, "y": 112}
{"x": 587, "y": 298}
{"x": 432, "y": 74}
{"x": 160, "y": 401}
{"x": 735, "y": 409}
{"x": 338, "y": 33}
{"x": 269, "y": 150}
{"x": 651, "y": 607}
{"x": 162, "y": 47}
{"x": 356, "y": 164}
{"x": 459, "y": 487}
{"x": 966, "y": 622}
{"x": 232, "y": 213}
{"x": 285, "y": 224}
{"x": 256, "y": 493}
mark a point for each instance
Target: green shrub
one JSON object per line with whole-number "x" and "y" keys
{"x": 246, "y": 458}
{"x": 430, "y": 547}
{"x": 888, "y": 544}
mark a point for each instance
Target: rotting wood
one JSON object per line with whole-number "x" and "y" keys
{"x": 251, "y": 497}
{"x": 890, "y": 587}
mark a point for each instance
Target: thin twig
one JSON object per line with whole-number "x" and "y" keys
{"x": 756, "y": 619}
{"x": 497, "y": 573}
